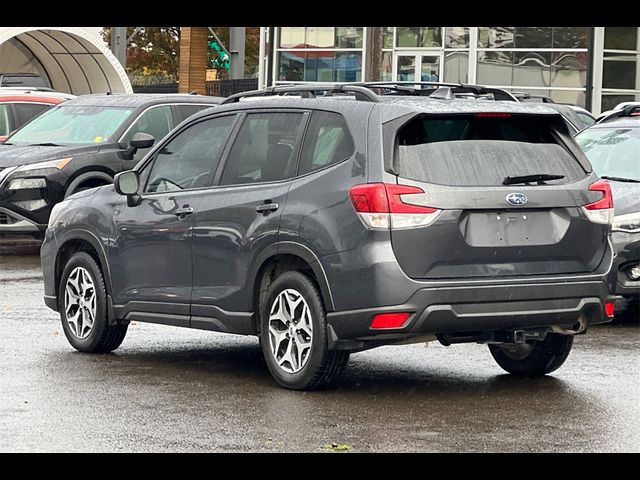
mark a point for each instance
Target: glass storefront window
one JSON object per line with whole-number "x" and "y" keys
{"x": 621, "y": 38}
{"x": 609, "y": 101}
{"x": 456, "y": 67}
{"x": 348, "y": 37}
{"x": 495, "y": 68}
{"x": 419, "y": 36}
{"x": 320, "y": 66}
{"x": 292, "y": 37}
{"x": 533, "y": 37}
{"x": 387, "y": 37}
{"x": 619, "y": 71}
{"x": 321, "y": 37}
{"x": 456, "y": 37}
{"x": 387, "y": 66}
{"x": 569, "y": 69}
{"x": 570, "y": 37}
{"x": 496, "y": 37}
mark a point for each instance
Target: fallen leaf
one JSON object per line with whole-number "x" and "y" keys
{"x": 337, "y": 447}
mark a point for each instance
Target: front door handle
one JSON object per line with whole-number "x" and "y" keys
{"x": 267, "y": 207}
{"x": 183, "y": 211}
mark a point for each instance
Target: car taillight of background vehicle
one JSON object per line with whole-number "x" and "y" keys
{"x": 600, "y": 211}
{"x": 381, "y": 206}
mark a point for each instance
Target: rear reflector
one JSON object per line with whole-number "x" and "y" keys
{"x": 493, "y": 114}
{"x": 609, "y": 308}
{"x": 389, "y": 320}
{"x": 600, "y": 211}
{"x": 381, "y": 206}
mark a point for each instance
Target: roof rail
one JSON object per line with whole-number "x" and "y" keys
{"x": 528, "y": 96}
{"x": 308, "y": 91}
{"x": 438, "y": 89}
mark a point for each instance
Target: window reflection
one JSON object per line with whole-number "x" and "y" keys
{"x": 456, "y": 67}
{"x": 621, "y": 38}
{"x": 321, "y": 37}
{"x": 320, "y": 66}
{"x": 419, "y": 36}
{"x": 457, "y": 37}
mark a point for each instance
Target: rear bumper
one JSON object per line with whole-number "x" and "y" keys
{"x": 482, "y": 308}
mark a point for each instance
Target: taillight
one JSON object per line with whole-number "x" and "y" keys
{"x": 381, "y": 206}
{"x": 389, "y": 320}
{"x": 493, "y": 114}
{"x": 609, "y": 309}
{"x": 600, "y": 211}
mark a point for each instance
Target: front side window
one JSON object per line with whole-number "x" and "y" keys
{"x": 72, "y": 125}
{"x": 327, "y": 141}
{"x": 613, "y": 152}
{"x": 157, "y": 122}
{"x": 264, "y": 149}
{"x": 190, "y": 159}
{"x": 5, "y": 119}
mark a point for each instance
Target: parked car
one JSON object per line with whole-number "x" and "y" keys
{"x": 577, "y": 118}
{"x": 81, "y": 144}
{"x": 613, "y": 148}
{"x": 18, "y": 106}
{"x": 320, "y": 226}
{"x": 23, "y": 80}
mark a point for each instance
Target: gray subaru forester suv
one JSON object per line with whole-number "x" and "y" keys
{"x": 338, "y": 223}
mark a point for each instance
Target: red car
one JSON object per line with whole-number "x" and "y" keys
{"x": 19, "y": 105}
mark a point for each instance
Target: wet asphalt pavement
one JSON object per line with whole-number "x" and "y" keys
{"x": 172, "y": 389}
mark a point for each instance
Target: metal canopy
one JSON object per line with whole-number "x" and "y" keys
{"x": 74, "y": 60}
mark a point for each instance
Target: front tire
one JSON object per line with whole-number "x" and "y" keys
{"x": 293, "y": 335}
{"x": 533, "y": 359}
{"x": 83, "y": 307}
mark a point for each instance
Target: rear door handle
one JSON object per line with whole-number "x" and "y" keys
{"x": 183, "y": 211}
{"x": 267, "y": 207}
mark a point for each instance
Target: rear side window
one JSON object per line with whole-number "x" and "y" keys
{"x": 475, "y": 150}
{"x": 182, "y": 112}
{"x": 26, "y": 111}
{"x": 327, "y": 142}
{"x": 264, "y": 149}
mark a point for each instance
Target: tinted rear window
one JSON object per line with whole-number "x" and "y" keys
{"x": 468, "y": 150}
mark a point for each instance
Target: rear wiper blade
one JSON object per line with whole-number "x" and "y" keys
{"x": 45, "y": 144}
{"x": 620, "y": 179}
{"x": 540, "y": 178}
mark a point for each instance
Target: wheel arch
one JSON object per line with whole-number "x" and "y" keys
{"x": 95, "y": 175}
{"x": 282, "y": 257}
{"x": 80, "y": 241}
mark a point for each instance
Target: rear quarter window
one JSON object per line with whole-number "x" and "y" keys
{"x": 470, "y": 150}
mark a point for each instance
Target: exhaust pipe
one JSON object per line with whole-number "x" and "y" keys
{"x": 579, "y": 327}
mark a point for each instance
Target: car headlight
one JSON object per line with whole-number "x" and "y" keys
{"x": 629, "y": 223}
{"x": 27, "y": 183}
{"x": 59, "y": 164}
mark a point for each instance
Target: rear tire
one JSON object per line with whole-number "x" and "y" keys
{"x": 533, "y": 359}
{"x": 293, "y": 335}
{"x": 83, "y": 307}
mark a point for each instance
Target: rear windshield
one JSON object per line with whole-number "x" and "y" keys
{"x": 472, "y": 150}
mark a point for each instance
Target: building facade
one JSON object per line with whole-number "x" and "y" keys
{"x": 594, "y": 67}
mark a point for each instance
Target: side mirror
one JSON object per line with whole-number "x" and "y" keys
{"x": 142, "y": 140}
{"x": 139, "y": 140}
{"x": 127, "y": 183}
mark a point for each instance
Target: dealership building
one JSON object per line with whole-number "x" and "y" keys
{"x": 595, "y": 67}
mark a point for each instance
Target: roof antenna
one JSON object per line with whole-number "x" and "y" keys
{"x": 108, "y": 92}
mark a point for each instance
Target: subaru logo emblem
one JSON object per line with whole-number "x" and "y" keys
{"x": 517, "y": 199}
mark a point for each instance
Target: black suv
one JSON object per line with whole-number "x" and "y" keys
{"x": 333, "y": 225}
{"x": 81, "y": 144}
